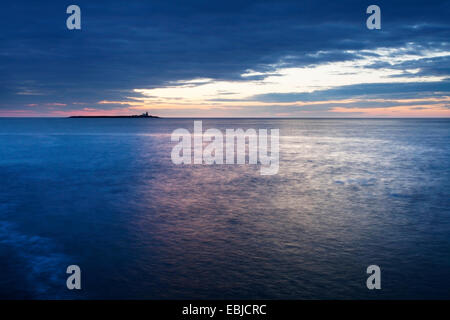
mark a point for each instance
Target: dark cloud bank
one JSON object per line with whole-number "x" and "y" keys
{"x": 145, "y": 44}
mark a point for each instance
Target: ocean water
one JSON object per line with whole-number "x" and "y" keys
{"x": 103, "y": 194}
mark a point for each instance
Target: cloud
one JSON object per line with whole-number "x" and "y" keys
{"x": 155, "y": 45}
{"x": 285, "y": 82}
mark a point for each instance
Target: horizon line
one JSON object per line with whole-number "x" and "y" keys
{"x": 162, "y": 117}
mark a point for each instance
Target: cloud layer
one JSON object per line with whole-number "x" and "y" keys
{"x": 233, "y": 58}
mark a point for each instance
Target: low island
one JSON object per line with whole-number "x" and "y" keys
{"x": 144, "y": 115}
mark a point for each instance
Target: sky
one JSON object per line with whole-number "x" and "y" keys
{"x": 185, "y": 58}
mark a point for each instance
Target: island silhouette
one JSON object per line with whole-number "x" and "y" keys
{"x": 144, "y": 115}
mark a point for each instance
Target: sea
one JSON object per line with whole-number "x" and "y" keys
{"x": 104, "y": 194}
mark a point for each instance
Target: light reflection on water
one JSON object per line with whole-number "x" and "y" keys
{"x": 104, "y": 194}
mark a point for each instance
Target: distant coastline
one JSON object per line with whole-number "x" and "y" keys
{"x": 144, "y": 115}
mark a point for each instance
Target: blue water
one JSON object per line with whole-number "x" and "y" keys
{"x": 103, "y": 194}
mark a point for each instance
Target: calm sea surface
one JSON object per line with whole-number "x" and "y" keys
{"x": 103, "y": 194}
